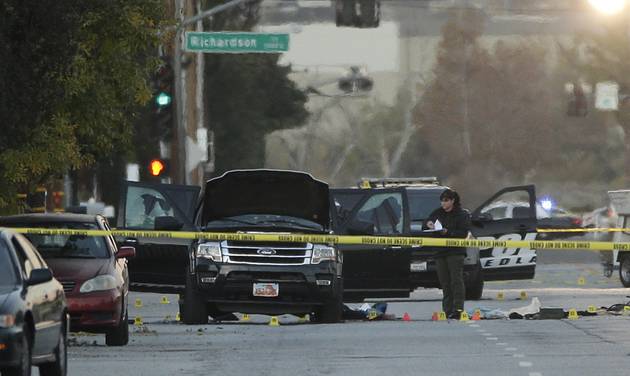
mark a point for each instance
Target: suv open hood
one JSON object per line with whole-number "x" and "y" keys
{"x": 290, "y": 193}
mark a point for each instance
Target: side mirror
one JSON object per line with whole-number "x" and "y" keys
{"x": 126, "y": 252}
{"x": 360, "y": 228}
{"x": 167, "y": 223}
{"x": 482, "y": 217}
{"x": 39, "y": 276}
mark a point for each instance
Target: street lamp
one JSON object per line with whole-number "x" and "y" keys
{"x": 609, "y": 7}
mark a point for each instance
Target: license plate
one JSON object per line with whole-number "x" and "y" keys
{"x": 419, "y": 267}
{"x": 268, "y": 290}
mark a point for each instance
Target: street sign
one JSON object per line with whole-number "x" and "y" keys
{"x": 607, "y": 96}
{"x": 238, "y": 43}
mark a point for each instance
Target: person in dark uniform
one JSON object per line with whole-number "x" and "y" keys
{"x": 455, "y": 223}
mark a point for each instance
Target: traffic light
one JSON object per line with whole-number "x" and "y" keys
{"x": 164, "y": 89}
{"x": 358, "y": 13}
{"x": 159, "y": 167}
{"x": 355, "y": 81}
{"x": 578, "y": 102}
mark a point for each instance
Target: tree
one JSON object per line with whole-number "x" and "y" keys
{"x": 77, "y": 72}
{"x": 486, "y": 114}
{"x": 248, "y": 96}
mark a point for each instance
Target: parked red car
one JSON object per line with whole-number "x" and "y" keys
{"x": 92, "y": 270}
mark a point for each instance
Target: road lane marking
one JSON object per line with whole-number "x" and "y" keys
{"x": 492, "y": 338}
{"x": 524, "y": 364}
{"x": 501, "y": 344}
{"x": 511, "y": 349}
{"x": 519, "y": 355}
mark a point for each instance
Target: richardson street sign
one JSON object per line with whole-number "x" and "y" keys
{"x": 241, "y": 42}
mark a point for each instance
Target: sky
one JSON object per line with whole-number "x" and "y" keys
{"x": 325, "y": 44}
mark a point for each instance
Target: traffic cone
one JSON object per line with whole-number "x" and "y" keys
{"x": 138, "y": 303}
{"x": 442, "y": 316}
{"x": 406, "y": 317}
{"x": 573, "y": 314}
{"x": 434, "y": 317}
{"x": 476, "y": 315}
{"x": 245, "y": 317}
{"x": 274, "y": 321}
{"x": 165, "y": 300}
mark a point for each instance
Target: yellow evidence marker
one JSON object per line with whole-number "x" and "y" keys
{"x": 138, "y": 303}
{"x": 442, "y": 316}
{"x": 523, "y": 295}
{"x": 274, "y": 321}
{"x": 245, "y": 317}
{"x": 137, "y": 321}
{"x": 573, "y": 314}
{"x": 500, "y": 295}
{"x": 165, "y": 300}
{"x": 591, "y": 309}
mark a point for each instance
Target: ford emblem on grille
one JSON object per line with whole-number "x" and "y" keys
{"x": 266, "y": 251}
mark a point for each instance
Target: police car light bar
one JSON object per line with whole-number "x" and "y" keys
{"x": 374, "y": 182}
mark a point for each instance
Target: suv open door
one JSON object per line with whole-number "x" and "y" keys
{"x": 372, "y": 270}
{"x": 492, "y": 221}
{"x": 159, "y": 265}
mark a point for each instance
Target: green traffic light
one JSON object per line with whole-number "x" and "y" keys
{"x": 163, "y": 99}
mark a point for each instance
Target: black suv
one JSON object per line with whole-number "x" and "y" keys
{"x": 398, "y": 207}
{"x": 225, "y": 276}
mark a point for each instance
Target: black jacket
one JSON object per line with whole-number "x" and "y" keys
{"x": 457, "y": 225}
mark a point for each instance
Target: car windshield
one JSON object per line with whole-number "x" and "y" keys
{"x": 264, "y": 221}
{"x": 7, "y": 268}
{"x": 69, "y": 246}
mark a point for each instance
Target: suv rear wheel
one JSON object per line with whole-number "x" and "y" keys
{"x": 624, "y": 270}
{"x": 474, "y": 284}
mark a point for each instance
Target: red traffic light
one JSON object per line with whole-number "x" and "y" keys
{"x": 156, "y": 167}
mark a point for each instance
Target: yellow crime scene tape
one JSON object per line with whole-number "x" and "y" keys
{"x": 343, "y": 239}
{"x": 613, "y": 229}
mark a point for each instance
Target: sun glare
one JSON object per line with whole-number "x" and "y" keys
{"x": 608, "y": 6}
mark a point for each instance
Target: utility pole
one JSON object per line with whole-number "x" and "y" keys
{"x": 181, "y": 134}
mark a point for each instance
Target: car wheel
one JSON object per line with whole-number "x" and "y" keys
{"x": 624, "y": 270}
{"x": 60, "y": 366}
{"x": 24, "y": 368}
{"x": 195, "y": 308}
{"x": 331, "y": 312}
{"x": 474, "y": 284}
{"x": 119, "y": 336}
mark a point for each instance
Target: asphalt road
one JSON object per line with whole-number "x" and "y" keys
{"x": 587, "y": 346}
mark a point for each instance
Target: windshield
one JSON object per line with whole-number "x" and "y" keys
{"x": 7, "y": 267}
{"x": 421, "y": 204}
{"x": 265, "y": 221}
{"x": 70, "y": 246}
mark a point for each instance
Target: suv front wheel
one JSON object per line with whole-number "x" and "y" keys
{"x": 331, "y": 312}
{"x": 194, "y": 307}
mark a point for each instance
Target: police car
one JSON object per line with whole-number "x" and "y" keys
{"x": 398, "y": 207}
